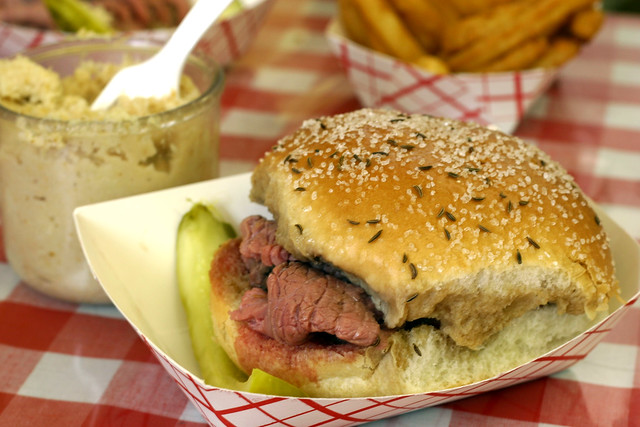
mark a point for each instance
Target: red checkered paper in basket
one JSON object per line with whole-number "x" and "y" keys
{"x": 226, "y": 40}
{"x": 226, "y": 407}
{"x": 499, "y": 99}
{"x": 233, "y": 407}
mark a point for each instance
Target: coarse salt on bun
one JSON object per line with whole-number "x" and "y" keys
{"x": 435, "y": 219}
{"x": 423, "y": 212}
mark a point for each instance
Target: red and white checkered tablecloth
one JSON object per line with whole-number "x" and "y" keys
{"x": 68, "y": 364}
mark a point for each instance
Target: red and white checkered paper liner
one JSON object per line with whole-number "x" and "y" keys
{"x": 128, "y": 220}
{"x": 499, "y": 99}
{"x": 221, "y": 407}
{"x": 226, "y": 40}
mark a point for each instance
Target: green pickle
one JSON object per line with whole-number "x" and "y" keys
{"x": 233, "y": 9}
{"x": 200, "y": 234}
{"x": 74, "y": 15}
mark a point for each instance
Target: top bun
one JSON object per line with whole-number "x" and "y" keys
{"x": 436, "y": 218}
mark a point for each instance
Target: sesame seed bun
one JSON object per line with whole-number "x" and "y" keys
{"x": 436, "y": 218}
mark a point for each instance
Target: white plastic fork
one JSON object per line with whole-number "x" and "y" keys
{"x": 159, "y": 75}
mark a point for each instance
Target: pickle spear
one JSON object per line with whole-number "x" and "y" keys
{"x": 200, "y": 234}
{"x": 234, "y": 8}
{"x": 74, "y": 15}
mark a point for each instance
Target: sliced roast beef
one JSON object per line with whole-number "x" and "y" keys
{"x": 301, "y": 300}
{"x": 259, "y": 249}
{"x": 253, "y": 310}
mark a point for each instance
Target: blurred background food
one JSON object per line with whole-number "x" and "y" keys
{"x": 99, "y": 16}
{"x": 25, "y": 24}
{"x": 473, "y": 35}
{"x": 626, "y": 6}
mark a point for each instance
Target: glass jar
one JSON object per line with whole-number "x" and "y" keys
{"x": 48, "y": 167}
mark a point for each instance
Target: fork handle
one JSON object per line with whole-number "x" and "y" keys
{"x": 197, "y": 21}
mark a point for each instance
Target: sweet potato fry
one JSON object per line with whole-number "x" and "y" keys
{"x": 473, "y": 35}
{"x": 471, "y": 28}
{"x": 586, "y": 23}
{"x": 352, "y": 21}
{"x": 432, "y": 64}
{"x": 423, "y": 20}
{"x": 519, "y": 58}
{"x": 560, "y": 50}
{"x": 386, "y": 26}
{"x": 540, "y": 18}
{"x": 472, "y": 7}
{"x": 448, "y": 13}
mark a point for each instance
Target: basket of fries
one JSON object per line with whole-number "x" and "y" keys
{"x": 480, "y": 60}
{"x": 26, "y": 24}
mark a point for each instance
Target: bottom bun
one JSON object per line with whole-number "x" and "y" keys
{"x": 411, "y": 360}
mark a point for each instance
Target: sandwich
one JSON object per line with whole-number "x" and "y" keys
{"x": 407, "y": 254}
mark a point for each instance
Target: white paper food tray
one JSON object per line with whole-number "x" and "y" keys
{"x": 130, "y": 246}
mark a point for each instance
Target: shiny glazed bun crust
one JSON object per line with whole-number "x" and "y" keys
{"x": 437, "y": 218}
